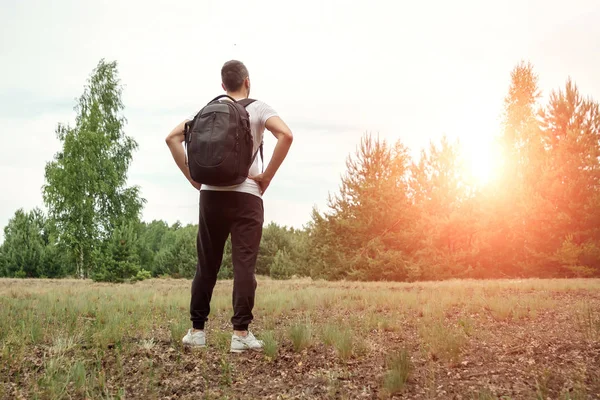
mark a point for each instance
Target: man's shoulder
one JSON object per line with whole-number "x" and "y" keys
{"x": 258, "y": 103}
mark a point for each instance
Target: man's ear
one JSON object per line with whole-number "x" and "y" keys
{"x": 223, "y": 86}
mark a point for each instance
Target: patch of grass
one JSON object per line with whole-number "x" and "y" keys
{"x": 442, "y": 340}
{"x": 341, "y": 339}
{"x": 178, "y": 331}
{"x": 270, "y": 323}
{"x": 542, "y": 391}
{"x": 343, "y": 344}
{"x": 575, "y": 394}
{"x": 328, "y": 333}
{"x": 62, "y": 344}
{"x": 226, "y": 373}
{"x": 77, "y": 375}
{"x": 271, "y": 346}
{"x": 588, "y": 319}
{"x": 221, "y": 339}
{"x": 147, "y": 344}
{"x": 467, "y": 325}
{"x": 301, "y": 336}
{"x": 484, "y": 394}
{"x": 399, "y": 368}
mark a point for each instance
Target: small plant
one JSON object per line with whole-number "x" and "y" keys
{"x": 589, "y": 321}
{"x": 328, "y": 334}
{"x": 141, "y": 275}
{"x": 178, "y": 330}
{"x": 360, "y": 347}
{"x": 147, "y": 344}
{"x": 226, "y": 371}
{"x": 576, "y": 394}
{"x": 343, "y": 341}
{"x": 399, "y": 368}
{"x": 301, "y": 336}
{"x": 443, "y": 341}
{"x": 542, "y": 390}
{"x": 467, "y": 325}
{"x": 62, "y": 344}
{"x": 77, "y": 375}
{"x": 484, "y": 394}
{"x": 222, "y": 340}
{"x": 270, "y": 345}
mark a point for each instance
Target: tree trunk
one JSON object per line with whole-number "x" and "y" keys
{"x": 80, "y": 272}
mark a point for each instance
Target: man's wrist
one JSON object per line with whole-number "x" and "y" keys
{"x": 268, "y": 176}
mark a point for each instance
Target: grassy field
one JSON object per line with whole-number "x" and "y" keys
{"x": 521, "y": 339}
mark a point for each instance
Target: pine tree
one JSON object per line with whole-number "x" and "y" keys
{"x": 369, "y": 216}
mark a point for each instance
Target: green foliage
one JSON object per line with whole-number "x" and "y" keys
{"x": 30, "y": 249}
{"x": 271, "y": 346}
{"x": 85, "y": 188}
{"x": 118, "y": 260}
{"x": 151, "y": 241}
{"x": 24, "y": 245}
{"x": 226, "y": 270}
{"x": 282, "y": 267}
{"x": 301, "y": 336}
{"x": 399, "y": 369}
{"x": 177, "y": 256}
{"x": 284, "y": 248}
{"x": 142, "y": 275}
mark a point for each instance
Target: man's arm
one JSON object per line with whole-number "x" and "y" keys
{"x": 284, "y": 140}
{"x": 175, "y": 142}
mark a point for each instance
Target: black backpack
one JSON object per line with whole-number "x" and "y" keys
{"x": 219, "y": 143}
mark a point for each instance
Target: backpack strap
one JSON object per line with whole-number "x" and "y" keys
{"x": 262, "y": 158}
{"x": 220, "y": 97}
{"x": 245, "y": 103}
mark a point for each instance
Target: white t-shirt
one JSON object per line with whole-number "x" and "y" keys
{"x": 259, "y": 113}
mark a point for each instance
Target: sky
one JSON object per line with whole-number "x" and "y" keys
{"x": 333, "y": 70}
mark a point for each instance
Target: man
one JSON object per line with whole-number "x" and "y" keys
{"x": 236, "y": 210}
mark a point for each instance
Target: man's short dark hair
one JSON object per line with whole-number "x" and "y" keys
{"x": 233, "y": 74}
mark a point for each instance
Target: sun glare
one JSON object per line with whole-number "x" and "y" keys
{"x": 481, "y": 159}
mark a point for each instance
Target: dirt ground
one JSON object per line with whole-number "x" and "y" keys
{"x": 530, "y": 339}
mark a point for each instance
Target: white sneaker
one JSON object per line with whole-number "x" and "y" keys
{"x": 197, "y": 339}
{"x": 239, "y": 344}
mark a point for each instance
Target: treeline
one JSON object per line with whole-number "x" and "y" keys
{"x": 393, "y": 217}
{"x": 136, "y": 251}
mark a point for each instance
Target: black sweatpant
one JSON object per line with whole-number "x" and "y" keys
{"x": 222, "y": 213}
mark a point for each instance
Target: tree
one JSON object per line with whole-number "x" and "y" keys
{"x": 570, "y": 183}
{"x": 85, "y": 188}
{"x": 446, "y": 207}
{"x": 177, "y": 256}
{"x": 151, "y": 237}
{"x": 119, "y": 259}
{"x": 23, "y": 250}
{"x": 373, "y": 206}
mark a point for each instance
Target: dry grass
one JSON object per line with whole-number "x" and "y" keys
{"x": 78, "y": 339}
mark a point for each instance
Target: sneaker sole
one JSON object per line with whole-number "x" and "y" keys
{"x": 244, "y": 350}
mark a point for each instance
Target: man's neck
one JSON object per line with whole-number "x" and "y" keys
{"x": 237, "y": 95}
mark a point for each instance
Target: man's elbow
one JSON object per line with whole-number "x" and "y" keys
{"x": 288, "y": 136}
{"x": 169, "y": 140}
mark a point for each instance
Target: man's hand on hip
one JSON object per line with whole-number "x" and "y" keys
{"x": 263, "y": 182}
